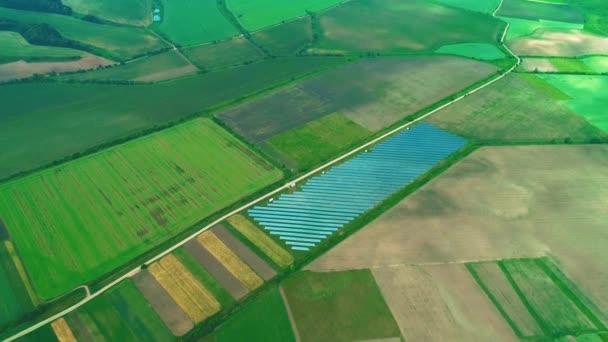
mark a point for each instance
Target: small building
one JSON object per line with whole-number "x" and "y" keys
{"x": 157, "y": 11}
{"x": 156, "y": 18}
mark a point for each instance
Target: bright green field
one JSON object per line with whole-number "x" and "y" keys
{"x": 107, "y": 208}
{"x": 318, "y": 140}
{"x": 155, "y": 68}
{"x": 187, "y": 22}
{"x": 118, "y": 42}
{"x": 286, "y": 39}
{"x": 570, "y": 65}
{"x": 265, "y": 319}
{"x": 133, "y": 12}
{"x": 588, "y": 94}
{"x": 15, "y": 299}
{"x": 523, "y": 27}
{"x": 484, "y": 6}
{"x": 597, "y": 63}
{"x": 14, "y": 46}
{"x": 29, "y": 139}
{"x": 424, "y": 29}
{"x": 121, "y": 314}
{"x": 236, "y": 51}
{"x": 255, "y": 15}
{"x": 472, "y": 50}
{"x": 339, "y": 306}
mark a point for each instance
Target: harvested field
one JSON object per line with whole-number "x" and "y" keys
{"x": 395, "y": 87}
{"x": 262, "y": 241}
{"x": 425, "y": 29}
{"x": 188, "y": 23}
{"x": 128, "y": 198}
{"x": 500, "y": 202}
{"x": 523, "y": 27}
{"x": 433, "y": 304}
{"x": 265, "y": 319}
{"x": 62, "y": 331}
{"x": 528, "y": 112}
{"x": 23, "y": 69}
{"x": 216, "y": 269}
{"x": 556, "y": 42}
{"x": 159, "y": 67}
{"x": 286, "y": 39}
{"x": 537, "y": 65}
{"x": 172, "y": 314}
{"x": 233, "y": 52}
{"x": 196, "y": 301}
{"x": 339, "y": 306}
{"x": 230, "y": 260}
{"x": 586, "y": 96}
{"x": 30, "y": 140}
{"x": 242, "y": 251}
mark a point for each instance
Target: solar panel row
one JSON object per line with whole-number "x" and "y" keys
{"x": 329, "y": 201}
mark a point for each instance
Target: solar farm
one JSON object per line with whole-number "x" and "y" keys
{"x": 327, "y": 202}
{"x": 303, "y": 171}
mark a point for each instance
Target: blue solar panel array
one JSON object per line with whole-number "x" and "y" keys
{"x": 329, "y": 201}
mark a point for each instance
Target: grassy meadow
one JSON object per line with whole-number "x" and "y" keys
{"x": 424, "y": 30}
{"x": 14, "y": 47}
{"x": 16, "y": 299}
{"x": 188, "y": 23}
{"x": 537, "y": 10}
{"x": 524, "y": 27}
{"x": 116, "y": 42}
{"x": 260, "y": 14}
{"x": 286, "y": 39}
{"x": 483, "y": 6}
{"x": 233, "y": 52}
{"x": 487, "y": 52}
{"x": 31, "y": 140}
{"x": 137, "y": 12}
{"x": 109, "y": 207}
{"x": 339, "y": 306}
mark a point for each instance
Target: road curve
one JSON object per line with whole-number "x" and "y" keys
{"x": 270, "y": 194}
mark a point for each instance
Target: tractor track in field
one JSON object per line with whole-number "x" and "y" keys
{"x": 136, "y": 270}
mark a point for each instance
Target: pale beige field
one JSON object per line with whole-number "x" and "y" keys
{"x": 500, "y": 202}
{"x": 566, "y": 43}
{"x": 432, "y": 303}
{"x": 62, "y": 331}
{"x": 22, "y": 69}
{"x": 537, "y": 64}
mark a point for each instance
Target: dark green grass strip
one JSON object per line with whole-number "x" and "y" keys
{"x": 569, "y": 289}
{"x": 471, "y": 268}
{"x": 251, "y": 246}
{"x": 206, "y": 279}
{"x": 541, "y": 323}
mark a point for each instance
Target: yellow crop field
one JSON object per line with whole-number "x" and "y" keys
{"x": 231, "y": 261}
{"x": 62, "y": 331}
{"x": 196, "y": 301}
{"x": 280, "y": 256}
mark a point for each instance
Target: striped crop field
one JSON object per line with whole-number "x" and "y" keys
{"x": 537, "y": 300}
{"x": 267, "y": 245}
{"x": 329, "y": 201}
{"x": 231, "y": 261}
{"x": 77, "y": 221}
{"x": 196, "y": 301}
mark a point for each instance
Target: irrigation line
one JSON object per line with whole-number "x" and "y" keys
{"x": 272, "y": 193}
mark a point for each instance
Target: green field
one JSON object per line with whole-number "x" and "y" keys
{"x": 523, "y": 27}
{"x": 117, "y": 42}
{"x": 484, "y": 6}
{"x": 236, "y": 51}
{"x": 597, "y": 63}
{"x": 571, "y": 65}
{"x": 528, "y": 112}
{"x": 159, "y": 67}
{"x": 85, "y": 115}
{"x": 15, "y": 299}
{"x": 14, "y": 47}
{"x": 487, "y": 52}
{"x": 188, "y": 23}
{"x": 255, "y": 15}
{"x": 121, "y": 314}
{"x": 339, "y": 306}
{"x": 424, "y": 29}
{"x": 319, "y": 140}
{"x": 588, "y": 96}
{"x": 527, "y": 292}
{"x": 286, "y": 39}
{"x": 107, "y": 208}
{"x": 537, "y": 10}
{"x": 45, "y": 334}
{"x": 134, "y": 12}
{"x": 264, "y": 319}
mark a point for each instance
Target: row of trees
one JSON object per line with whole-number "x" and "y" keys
{"x": 51, "y": 6}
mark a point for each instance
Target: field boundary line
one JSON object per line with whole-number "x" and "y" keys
{"x": 274, "y": 192}
{"x": 292, "y": 319}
